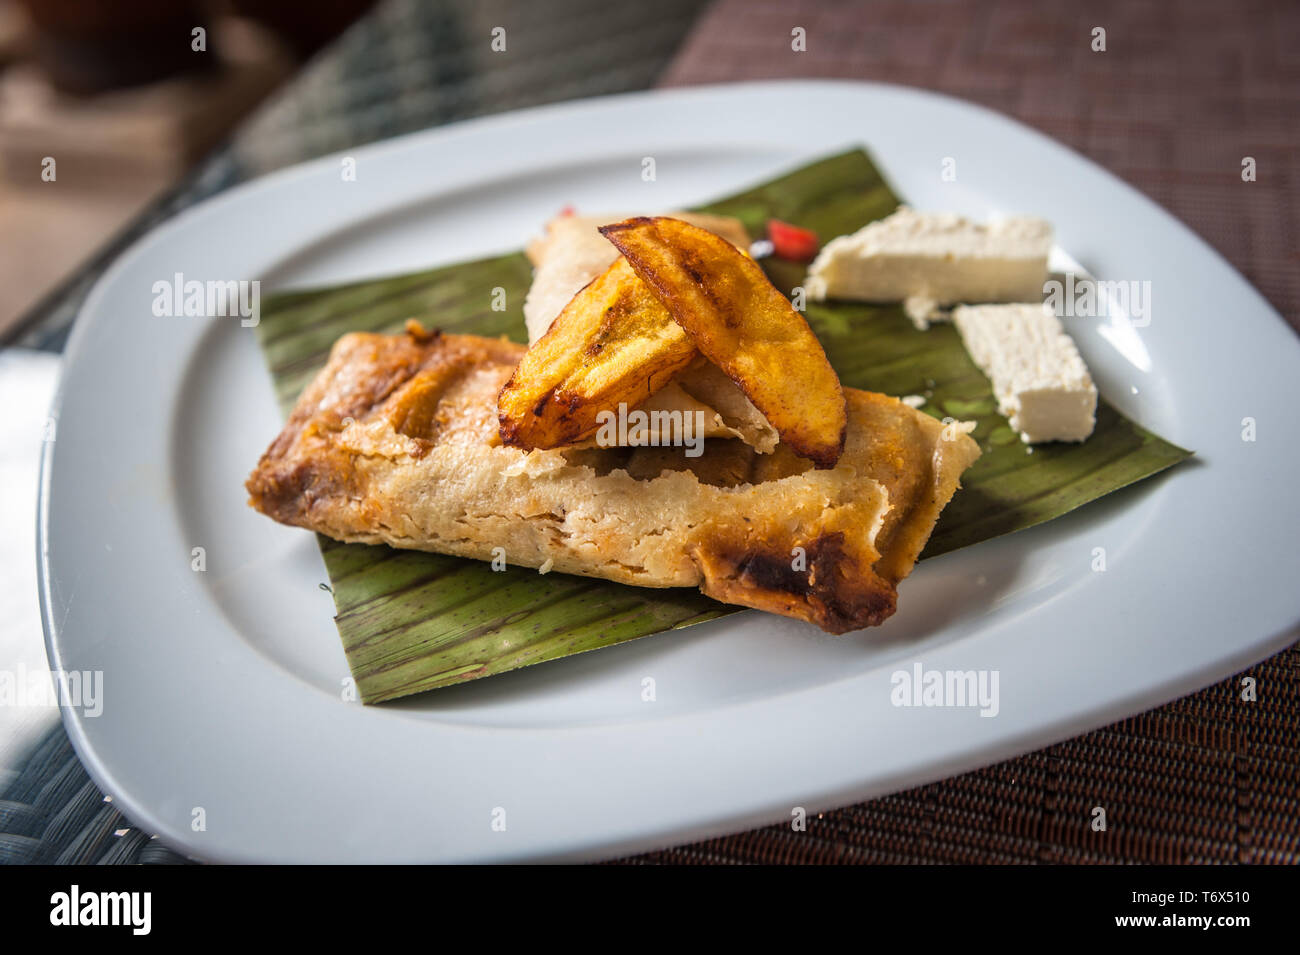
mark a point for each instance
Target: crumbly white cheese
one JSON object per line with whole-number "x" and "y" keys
{"x": 923, "y": 311}
{"x": 1041, "y": 383}
{"x": 938, "y": 256}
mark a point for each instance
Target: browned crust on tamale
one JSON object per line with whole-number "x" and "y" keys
{"x": 396, "y": 442}
{"x": 831, "y": 589}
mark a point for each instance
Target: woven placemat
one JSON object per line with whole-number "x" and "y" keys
{"x": 52, "y": 814}
{"x": 1180, "y": 96}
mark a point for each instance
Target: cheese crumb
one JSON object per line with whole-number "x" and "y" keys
{"x": 922, "y": 311}
{"x": 546, "y": 567}
{"x": 953, "y": 428}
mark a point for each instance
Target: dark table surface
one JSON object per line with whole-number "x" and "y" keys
{"x": 1179, "y": 98}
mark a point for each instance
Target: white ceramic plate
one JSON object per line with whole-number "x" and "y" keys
{"x": 222, "y": 689}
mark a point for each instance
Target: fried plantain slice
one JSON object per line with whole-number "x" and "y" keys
{"x": 741, "y": 323}
{"x": 614, "y": 342}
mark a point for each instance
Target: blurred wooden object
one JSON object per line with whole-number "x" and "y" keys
{"x": 89, "y": 46}
{"x": 155, "y": 130}
{"x": 114, "y": 153}
{"x": 15, "y": 34}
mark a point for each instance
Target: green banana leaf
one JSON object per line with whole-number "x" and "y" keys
{"x": 412, "y": 621}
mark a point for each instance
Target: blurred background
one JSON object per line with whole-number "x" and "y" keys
{"x": 149, "y": 105}
{"x": 117, "y": 114}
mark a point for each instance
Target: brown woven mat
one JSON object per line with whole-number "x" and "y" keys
{"x": 1181, "y": 95}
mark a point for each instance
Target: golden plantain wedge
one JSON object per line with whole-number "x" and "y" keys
{"x": 741, "y": 323}
{"x": 614, "y": 342}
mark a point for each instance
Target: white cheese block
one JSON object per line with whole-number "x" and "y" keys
{"x": 1041, "y": 383}
{"x": 936, "y": 256}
